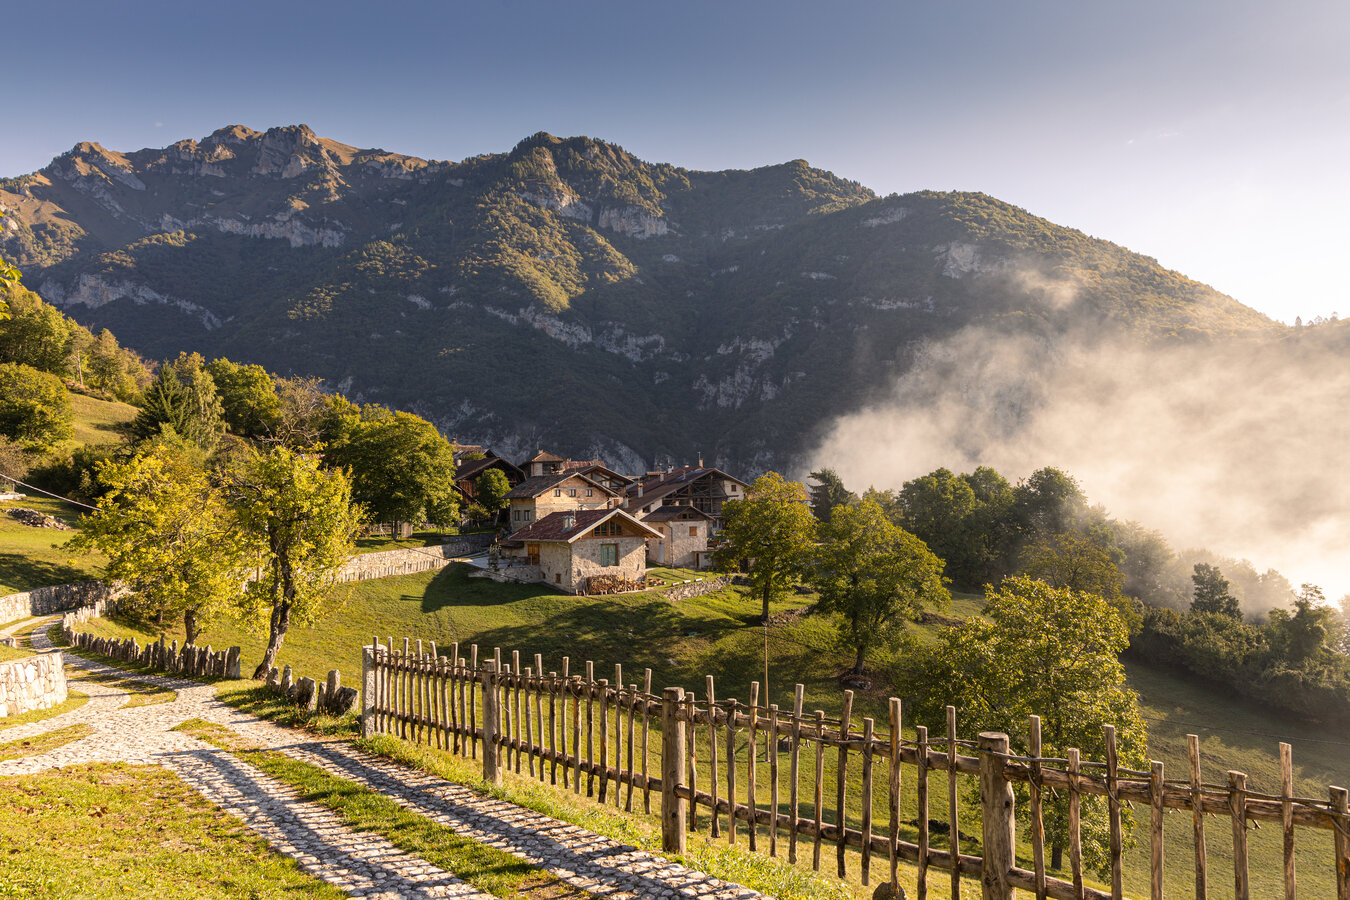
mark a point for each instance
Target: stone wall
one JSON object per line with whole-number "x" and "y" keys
{"x": 41, "y": 601}
{"x": 696, "y": 588}
{"x": 388, "y": 563}
{"x": 37, "y": 682}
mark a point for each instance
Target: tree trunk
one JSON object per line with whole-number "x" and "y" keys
{"x": 858, "y": 664}
{"x": 280, "y": 621}
{"x": 764, "y": 616}
{"x": 1057, "y": 855}
{"x": 191, "y": 626}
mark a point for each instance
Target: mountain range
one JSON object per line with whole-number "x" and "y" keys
{"x": 566, "y": 293}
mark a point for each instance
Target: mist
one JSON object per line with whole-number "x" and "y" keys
{"x": 1235, "y": 445}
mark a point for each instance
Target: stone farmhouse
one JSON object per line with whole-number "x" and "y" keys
{"x": 684, "y": 534}
{"x": 702, "y": 488}
{"x": 572, "y": 549}
{"x": 539, "y": 495}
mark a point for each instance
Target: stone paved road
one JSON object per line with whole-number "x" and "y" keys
{"x": 361, "y": 863}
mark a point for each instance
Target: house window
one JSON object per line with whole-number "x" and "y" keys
{"x": 589, "y": 492}
{"x": 557, "y": 578}
{"x": 557, "y": 492}
{"x": 693, "y": 531}
{"x": 609, "y": 554}
{"x": 532, "y": 551}
{"x": 571, "y": 492}
{"x": 612, "y": 528}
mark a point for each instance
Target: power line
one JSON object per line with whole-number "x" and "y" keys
{"x": 49, "y": 493}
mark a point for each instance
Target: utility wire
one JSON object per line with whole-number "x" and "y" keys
{"x": 48, "y": 493}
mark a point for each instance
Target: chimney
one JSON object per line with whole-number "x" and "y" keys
{"x": 700, "y": 460}
{"x": 569, "y": 521}
{"x": 639, "y": 487}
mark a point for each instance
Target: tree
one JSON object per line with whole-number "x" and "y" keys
{"x": 183, "y": 400}
{"x": 1211, "y": 593}
{"x": 248, "y": 398}
{"x": 35, "y": 334}
{"x": 301, "y": 521}
{"x": 1306, "y": 636}
{"x": 34, "y": 407}
{"x": 490, "y": 490}
{"x": 941, "y": 508}
{"x": 829, "y": 492}
{"x": 875, "y": 574}
{"x": 1048, "y": 502}
{"x": 113, "y": 369}
{"x": 774, "y": 529}
{"x": 1047, "y": 651}
{"x": 401, "y": 468}
{"x": 166, "y": 532}
{"x": 1080, "y": 562}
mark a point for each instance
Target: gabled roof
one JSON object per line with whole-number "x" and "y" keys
{"x": 551, "y": 528}
{"x": 475, "y": 467}
{"x": 670, "y": 513}
{"x": 544, "y": 456}
{"x": 599, "y": 468}
{"x": 533, "y": 487}
{"x": 666, "y": 483}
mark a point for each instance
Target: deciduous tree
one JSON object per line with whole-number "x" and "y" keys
{"x": 1047, "y": 651}
{"x": 773, "y": 528}
{"x": 34, "y": 407}
{"x": 874, "y": 574}
{"x": 490, "y": 490}
{"x": 248, "y": 398}
{"x": 1211, "y": 593}
{"x": 302, "y": 521}
{"x": 401, "y": 468}
{"x": 167, "y": 534}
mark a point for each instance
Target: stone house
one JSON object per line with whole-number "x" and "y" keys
{"x": 702, "y": 488}
{"x": 684, "y": 537}
{"x": 570, "y": 547}
{"x": 535, "y": 498}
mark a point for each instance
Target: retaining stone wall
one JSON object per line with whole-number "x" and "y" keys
{"x": 41, "y": 601}
{"x": 696, "y": 588}
{"x": 38, "y": 682}
{"x": 388, "y": 563}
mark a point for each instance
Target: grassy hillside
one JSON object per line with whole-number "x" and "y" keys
{"x": 682, "y": 642}
{"x": 99, "y": 421}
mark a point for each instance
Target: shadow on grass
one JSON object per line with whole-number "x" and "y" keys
{"x": 18, "y": 569}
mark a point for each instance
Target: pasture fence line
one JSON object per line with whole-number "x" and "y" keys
{"x": 623, "y": 743}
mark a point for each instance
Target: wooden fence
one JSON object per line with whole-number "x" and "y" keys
{"x": 627, "y": 743}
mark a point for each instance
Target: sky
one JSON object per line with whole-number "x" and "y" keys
{"x": 1212, "y": 136}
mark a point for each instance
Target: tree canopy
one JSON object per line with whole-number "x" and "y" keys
{"x": 874, "y": 574}
{"x": 248, "y": 398}
{"x": 167, "y": 533}
{"x": 1211, "y": 593}
{"x": 829, "y": 492}
{"x": 401, "y": 468}
{"x": 774, "y": 529}
{"x": 34, "y": 407}
{"x": 1046, "y": 651}
{"x": 182, "y": 400}
{"x": 301, "y": 517}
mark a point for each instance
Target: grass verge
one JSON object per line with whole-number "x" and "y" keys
{"x": 362, "y": 809}
{"x": 42, "y": 743}
{"x": 117, "y": 830}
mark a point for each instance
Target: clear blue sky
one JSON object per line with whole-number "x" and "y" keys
{"x": 1211, "y": 135}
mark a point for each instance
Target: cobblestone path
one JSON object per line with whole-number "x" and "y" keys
{"x": 361, "y": 863}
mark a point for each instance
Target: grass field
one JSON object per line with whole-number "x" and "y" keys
{"x": 33, "y": 557}
{"x": 99, "y": 421}
{"x": 711, "y": 634}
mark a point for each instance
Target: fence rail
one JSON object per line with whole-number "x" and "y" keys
{"x": 703, "y": 756}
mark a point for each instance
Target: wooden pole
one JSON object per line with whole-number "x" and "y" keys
{"x": 646, "y": 788}
{"x": 672, "y": 768}
{"x": 491, "y": 770}
{"x": 771, "y": 748}
{"x": 1075, "y": 825}
{"x": 590, "y": 728}
{"x": 691, "y": 756}
{"x": 869, "y": 733}
{"x": 921, "y": 804}
{"x": 1113, "y": 810}
{"x": 731, "y": 771}
{"x": 1287, "y": 820}
{"x": 529, "y": 724}
{"x": 841, "y": 779}
{"x": 953, "y": 811}
{"x": 996, "y": 799}
{"x": 752, "y": 808}
{"x": 552, "y": 727}
{"x": 1237, "y": 804}
{"x": 539, "y": 688}
{"x": 893, "y": 797}
{"x": 714, "y": 829}
{"x": 632, "y": 708}
{"x": 794, "y": 771}
{"x": 1198, "y": 816}
{"x": 819, "y": 796}
{"x": 604, "y": 740}
{"x": 1340, "y": 805}
{"x": 472, "y": 681}
{"x": 1037, "y": 814}
{"x": 1155, "y": 787}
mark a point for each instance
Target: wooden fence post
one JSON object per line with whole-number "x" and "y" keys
{"x": 492, "y": 773}
{"x": 673, "y": 807}
{"x": 368, "y": 692}
{"x": 996, "y": 800}
{"x": 1340, "y": 804}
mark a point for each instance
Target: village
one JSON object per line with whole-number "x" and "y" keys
{"x": 581, "y": 527}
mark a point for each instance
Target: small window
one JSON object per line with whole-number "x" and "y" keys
{"x": 589, "y": 492}
{"x": 557, "y": 492}
{"x": 693, "y": 531}
{"x": 609, "y": 554}
{"x": 571, "y": 492}
{"x": 557, "y": 578}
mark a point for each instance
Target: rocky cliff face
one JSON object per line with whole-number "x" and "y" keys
{"x": 563, "y": 293}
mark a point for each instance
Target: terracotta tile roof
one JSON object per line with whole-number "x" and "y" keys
{"x": 553, "y": 527}
{"x": 545, "y": 456}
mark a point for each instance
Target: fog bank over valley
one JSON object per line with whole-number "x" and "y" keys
{"x": 1235, "y": 446}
